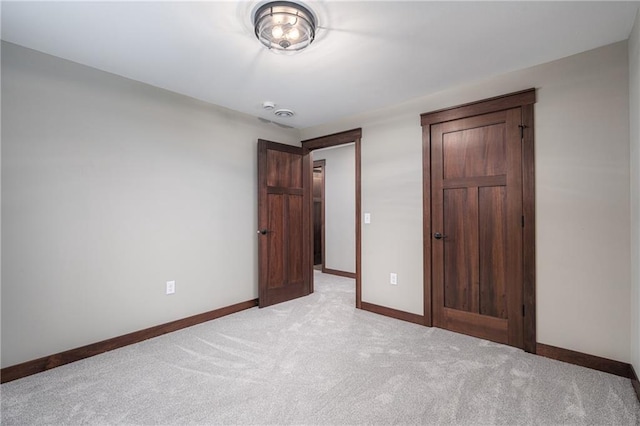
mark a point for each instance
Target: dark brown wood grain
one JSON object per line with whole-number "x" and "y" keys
{"x": 39, "y": 365}
{"x": 634, "y": 381}
{"x": 393, "y": 313}
{"x": 497, "y": 180}
{"x": 514, "y": 248}
{"x": 427, "y": 296}
{"x": 492, "y": 238}
{"x": 459, "y": 223}
{"x": 284, "y": 169}
{"x": 319, "y": 252}
{"x": 358, "y": 276}
{"x": 350, "y": 136}
{"x": 284, "y": 216}
{"x": 476, "y": 167}
{"x": 307, "y": 229}
{"x": 339, "y": 273}
{"x": 335, "y": 139}
{"x": 475, "y": 151}
{"x": 482, "y": 251}
{"x": 297, "y": 240}
{"x": 610, "y": 366}
{"x": 276, "y": 270}
{"x": 529, "y": 230}
{"x": 436, "y": 207}
{"x": 499, "y": 103}
{"x": 482, "y": 326}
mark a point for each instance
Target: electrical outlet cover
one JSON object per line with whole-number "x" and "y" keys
{"x": 393, "y": 278}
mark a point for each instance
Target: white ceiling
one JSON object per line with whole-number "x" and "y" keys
{"x": 367, "y": 54}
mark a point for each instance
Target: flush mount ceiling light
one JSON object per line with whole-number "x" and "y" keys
{"x": 284, "y": 26}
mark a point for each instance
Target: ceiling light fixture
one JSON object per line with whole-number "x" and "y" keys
{"x": 284, "y": 26}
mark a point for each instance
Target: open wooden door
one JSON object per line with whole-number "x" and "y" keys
{"x": 285, "y": 263}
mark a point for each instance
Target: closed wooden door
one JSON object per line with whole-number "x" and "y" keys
{"x": 477, "y": 220}
{"x": 283, "y": 223}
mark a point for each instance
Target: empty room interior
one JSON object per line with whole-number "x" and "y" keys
{"x": 320, "y": 212}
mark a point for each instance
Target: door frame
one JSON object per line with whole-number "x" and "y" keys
{"x": 321, "y": 165}
{"x": 343, "y": 138}
{"x": 524, "y": 100}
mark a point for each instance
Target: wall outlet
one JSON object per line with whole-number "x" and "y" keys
{"x": 171, "y": 287}
{"x": 367, "y": 218}
{"x": 393, "y": 278}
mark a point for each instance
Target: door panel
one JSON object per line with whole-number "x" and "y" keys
{"x": 275, "y": 238}
{"x": 294, "y": 220}
{"x": 284, "y": 169}
{"x": 476, "y": 190}
{"x": 460, "y": 257}
{"x": 283, "y": 223}
{"x": 491, "y": 246}
{"x": 474, "y": 152}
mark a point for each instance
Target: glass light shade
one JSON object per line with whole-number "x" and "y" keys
{"x": 284, "y": 26}
{"x": 277, "y": 32}
{"x": 293, "y": 34}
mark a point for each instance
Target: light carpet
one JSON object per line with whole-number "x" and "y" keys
{"x": 318, "y": 360}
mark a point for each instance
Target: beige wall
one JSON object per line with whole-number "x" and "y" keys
{"x": 109, "y": 189}
{"x": 634, "y": 117}
{"x": 340, "y": 206}
{"x": 582, "y": 190}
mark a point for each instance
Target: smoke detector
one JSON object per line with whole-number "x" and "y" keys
{"x": 284, "y": 113}
{"x": 268, "y": 105}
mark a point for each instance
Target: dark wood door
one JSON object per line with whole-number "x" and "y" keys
{"x": 283, "y": 223}
{"x": 477, "y": 219}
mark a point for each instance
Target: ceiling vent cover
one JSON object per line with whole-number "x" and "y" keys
{"x": 284, "y": 113}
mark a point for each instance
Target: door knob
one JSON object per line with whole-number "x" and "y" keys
{"x": 438, "y": 236}
{"x": 262, "y": 231}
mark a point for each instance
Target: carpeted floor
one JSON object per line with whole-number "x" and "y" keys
{"x": 318, "y": 360}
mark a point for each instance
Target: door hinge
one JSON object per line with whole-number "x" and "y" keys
{"x": 522, "y": 127}
{"x": 522, "y": 310}
{"x": 523, "y": 221}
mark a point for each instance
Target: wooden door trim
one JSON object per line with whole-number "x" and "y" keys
{"x": 48, "y": 362}
{"x": 529, "y": 233}
{"x": 321, "y": 164}
{"x": 335, "y": 139}
{"x": 307, "y": 214}
{"x": 344, "y": 138}
{"x": 498, "y": 103}
{"x": 393, "y": 313}
{"x": 610, "y": 366}
{"x": 524, "y": 100}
